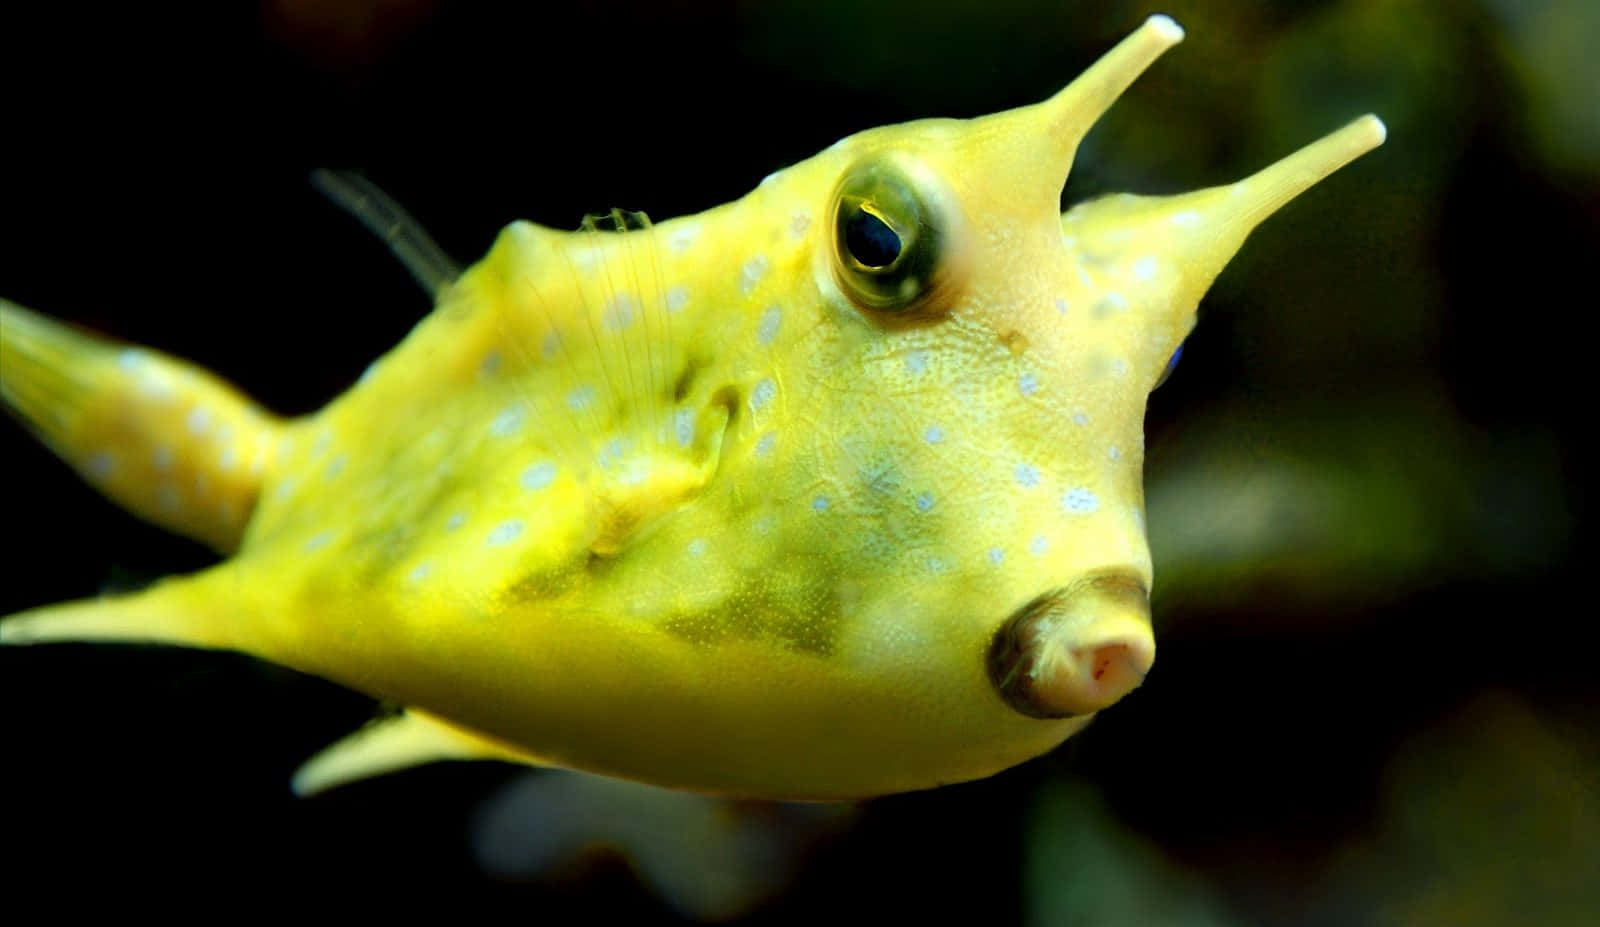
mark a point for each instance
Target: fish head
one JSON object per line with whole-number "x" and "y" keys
{"x": 974, "y": 388}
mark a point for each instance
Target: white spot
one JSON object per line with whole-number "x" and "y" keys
{"x": 455, "y": 521}
{"x": 318, "y": 541}
{"x": 229, "y": 458}
{"x": 933, "y": 435}
{"x": 1110, "y": 304}
{"x": 1038, "y": 545}
{"x": 199, "y": 420}
{"x": 769, "y": 178}
{"x": 770, "y": 320}
{"x": 916, "y": 361}
{"x": 323, "y": 442}
{"x": 1028, "y": 384}
{"x": 1119, "y": 367}
{"x": 1114, "y": 452}
{"x": 1137, "y": 515}
{"x": 683, "y": 426}
{"x": 682, "y": 237}
{"x": 551, "y": 345}
{"x": 996, "y": 556}
{"x": 539, "y": 475}
{"x": 509, "y": 421}
{"x": 819, "y": 504}
{"x": 335, "y": 467}
{"x": 168, "y": 497}
{"x": 101, "y": 465}
{"x": 581, "y": 398}
{"x": 764, "y": 392}
{"x": 421, "y": 572}
{"x": 162, "y": 458}
{"x": 1080, "y": 418}
{"x": 619, "y": 313}
{"x": 1144, "y": 269}
{"x": 1186, "y": 219}
{"x": 924, "y": 501}
{"x": 697, "y": 547}
{"x": 1027, "y": 475}
{"x": 369, "y": 373}
{"x": 798, "y": 224}
{"x": 677, "y": 298}
{"x": 490, "y": 365}
{"x": 130, "y": 359}
{"x": 765, "y": 442}
{"x": 504, "y": 533}
{"x": 1061, "y": 305}
{"x": 936, "y": 565}
{"x": 752, "y": 272}
{"x": 1080, "y": 501}
{"x": 286, "y": 488}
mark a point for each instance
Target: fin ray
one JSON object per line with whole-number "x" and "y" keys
{"x": 406, "y": 238}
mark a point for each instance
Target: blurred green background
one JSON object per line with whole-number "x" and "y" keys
{"x": 1375, "y": 700}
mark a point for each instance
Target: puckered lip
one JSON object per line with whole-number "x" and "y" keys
{"x": 1075, "y": 649}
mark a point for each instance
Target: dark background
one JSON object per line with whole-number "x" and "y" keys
{"x": 1377, "y": 706}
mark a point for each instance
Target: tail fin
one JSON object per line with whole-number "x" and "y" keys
{"x": 160, "y": 437}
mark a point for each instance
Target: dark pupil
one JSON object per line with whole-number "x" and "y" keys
{"x": 870, "y": 240}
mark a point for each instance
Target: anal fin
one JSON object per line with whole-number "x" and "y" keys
{"x": 412, "y": 738}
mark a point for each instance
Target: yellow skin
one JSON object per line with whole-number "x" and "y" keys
{"x": 715, "y": 504}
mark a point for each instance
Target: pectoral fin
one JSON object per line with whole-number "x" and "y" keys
{"x": 412, "y": 738}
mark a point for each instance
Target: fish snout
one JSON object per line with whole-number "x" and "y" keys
{"x": 1075, "y": 650}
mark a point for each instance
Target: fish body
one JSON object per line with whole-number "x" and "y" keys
{"x": 831, "y": 491}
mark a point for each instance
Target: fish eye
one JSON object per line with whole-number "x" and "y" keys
{"x": 886, "y": 239}
{"x": 1172, "y": 363}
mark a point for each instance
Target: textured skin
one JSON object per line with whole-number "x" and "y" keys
{"x": 669, "y": 503}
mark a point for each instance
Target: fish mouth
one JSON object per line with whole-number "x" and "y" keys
{"x": 1076, "y": 649}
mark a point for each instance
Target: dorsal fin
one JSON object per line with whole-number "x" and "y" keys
{"x": 385, "y": 218}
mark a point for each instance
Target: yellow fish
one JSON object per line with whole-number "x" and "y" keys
{"x": 828, "y": 492}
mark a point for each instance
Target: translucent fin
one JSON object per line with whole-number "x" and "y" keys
{"x": 385, "y": 218}
{"x": 412, "y": 738}
{"x": 160, "y": 437}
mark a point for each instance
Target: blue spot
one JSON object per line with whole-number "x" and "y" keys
{"x": 421, "y": 572}
{"x": 490, "y": 364}
{"x": 765, "y": 442}
{"x": 581, "y": 398}
{"x": 102, "y": 465}
{"x": 335, "y": 467}
{"x": 456, "y": 521}
{"x": 683, "y": 425}
{"x": 697, "y": 547}
{"x": 819, "y": 504}
{"x": 509, "y": 421}
{"x": 318, "y": 541}
{"x": 1080, "y": 501}
{"x": 763, "y": 393}
{"x": 996, "y": 556}
{"x": 936, "y": 565}
{"x": 1061, "y": 305}
{"x": 1080, "y": 418}
{"x": 924, "y": 501}
{"x": 1027, "y": 475}
{"x": 754, "y": 269}
{"x": 539, "y": 476}
{"x": 504, "y": 533}
{"x": 770, "y": 321}
{"x": 677, "y": 298}
{"x": 619, "y": 314}
{"x": 916, "y": 361}
{"x": 1038, "y": 545}
{"x": 933, "y": 435}
{"x": 1028, "y": 383}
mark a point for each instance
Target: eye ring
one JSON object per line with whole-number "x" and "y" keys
{"x": 888, "y": 239}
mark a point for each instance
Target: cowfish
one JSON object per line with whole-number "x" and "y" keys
{"x": 828, "y": 492}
